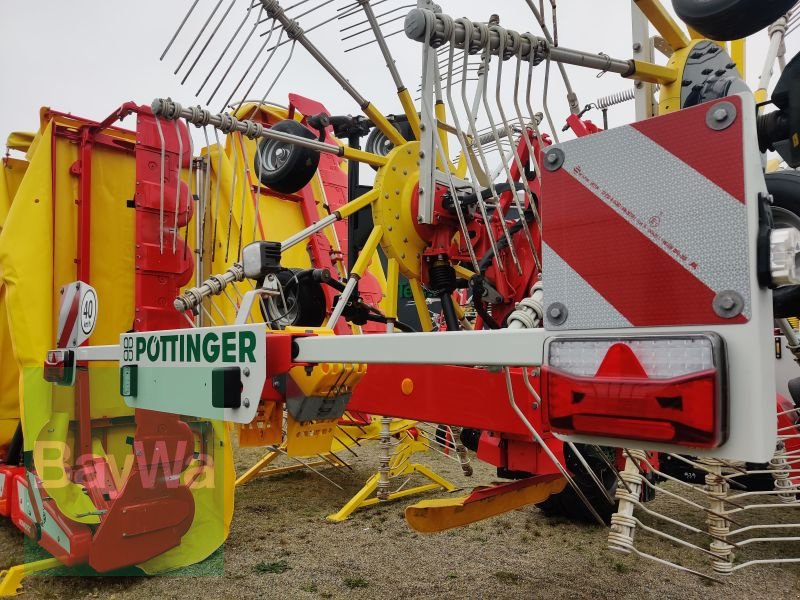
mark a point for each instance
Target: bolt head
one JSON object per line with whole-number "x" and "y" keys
{"x": 720, "y": 115}
{"x": 555, "y": 312}
{"x": 727, "y": 303}
{"x": 552, "y": 158}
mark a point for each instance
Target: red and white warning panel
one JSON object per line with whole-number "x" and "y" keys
{"x": 650, "y": 235}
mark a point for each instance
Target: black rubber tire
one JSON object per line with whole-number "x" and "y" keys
{"x": 310, "y": 308}
{"x": 284, "y": 167}
{"x": 784, "y": 186}
{"x": 378, "y": 143}
{"x": 569, "y": 505}
{"x": 730, "y": 19}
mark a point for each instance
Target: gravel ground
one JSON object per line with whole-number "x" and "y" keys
{"x": 281, "y": 546}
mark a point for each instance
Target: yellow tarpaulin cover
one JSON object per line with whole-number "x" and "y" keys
{"x": 37, "y": 256}
{"x": 10, "y": 176}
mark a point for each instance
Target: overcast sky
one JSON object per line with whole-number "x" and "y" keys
{"x": 88, "y": 56}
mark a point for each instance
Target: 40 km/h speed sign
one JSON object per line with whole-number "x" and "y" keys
{"x": 77, "y": 315}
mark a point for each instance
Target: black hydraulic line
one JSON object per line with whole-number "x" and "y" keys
{"x": 500, "y": 188}
{"x": 501, "y": 243}
{"x": 449, "y": 311}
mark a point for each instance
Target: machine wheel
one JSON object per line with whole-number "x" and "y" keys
{"x": 301, "y": 305}
{"x": 730, "y": 19}
{"x": 784, "y": 186}
{"x": 378, "y": 143}
{"x": 284, "y": 167}
{"x": 568, "y": 504}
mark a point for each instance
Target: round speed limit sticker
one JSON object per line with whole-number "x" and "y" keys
{"x": 88, "y": 311}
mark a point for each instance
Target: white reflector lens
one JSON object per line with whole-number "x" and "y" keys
{"x": 661, "y": 358}
{"x": 785, "y": 256}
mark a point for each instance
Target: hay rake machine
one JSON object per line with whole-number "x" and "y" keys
{"x": 604, "y": 340}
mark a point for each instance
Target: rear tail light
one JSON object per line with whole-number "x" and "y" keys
{"x": 59, "y": 367}
{"x": 669, "y": 390}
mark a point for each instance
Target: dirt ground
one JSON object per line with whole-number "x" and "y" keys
{"x": 281, "y": 546}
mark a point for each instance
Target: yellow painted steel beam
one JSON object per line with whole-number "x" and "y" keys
{"x": 462, "y": 271}
{"x": 357, "y": 204}
{"x": 652, "y": 73}
{"x": 383, "y": 124}
{"x": 365, "y": 157}
{"x": 11, "y": 579}
{"x": 421, "y": 304}
{"x": 441, "y": 514}
{"x": 666, "y": 26}
{"x": 410, "y": 110}
{"x": 368, "y": 252}
{"x": 739, "y": 56}
{"x": 392, "y": 289}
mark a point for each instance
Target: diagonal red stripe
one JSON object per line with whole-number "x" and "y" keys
{"x": 646, "y": 285}
{"x": 724, "y": 167}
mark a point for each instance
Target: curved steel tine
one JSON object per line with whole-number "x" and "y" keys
{"x": 232, "y": 196}
{"x": 178, "y": 31}
{"x": 208, "y": 41}
{"x": 572, "y": 97}
{"x": 199, "y": 35}
{"x": 260, "y": 71}
{"x": 526, "y": 137}
{"x": 591, "y": 473}
{"x": 369, "y": 29}
{"x": 611, "y": 466}
{"x": 545, "y": 106}
{"x": 471, "y": 116}
{"x": 206, "y": 196}
{"x": 518, "y": 162}
{"x": 163, "y": 165}
{"x": 385, "y": 14}
{"x": 531, "y": 114}
{"x": 323, "y": 4}
{"x": 247, "y": 185}
{"x": 250, "y": 66}
{"x": 217, "y": 194}
{"x": 257, "y": 219}
{"x": 538, "y": 439}
{"x": 472, "y": 168}
{"x": 191, "y": 196}
{"x": 450, "y": 183}
{"x": 236, "y": 57}
{"x": 357, "y": 6}
{"x": 385, "y": 37}
{"x": 503, "y": 159}
{"x": 280, "y": 72}
{"x": 228, "y": 45}
{"x": 177, "y": 185}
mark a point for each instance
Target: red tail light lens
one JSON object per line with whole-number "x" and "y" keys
{"x": 657, "y": 389}
{"x": 59, "y": 367}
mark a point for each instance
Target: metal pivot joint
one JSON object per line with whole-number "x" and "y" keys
{"x": 444, "y": 28}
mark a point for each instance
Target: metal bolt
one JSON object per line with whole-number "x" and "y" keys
{"x": 552, "y": 158}
{"x": 727, "y": 303}
{"x": 637, "y": 47}
{"x": 555, "y": 312}
{"x": 246, "y": 403}
{"x": 720, "y": 115}
{"x": 246, "y": 371}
